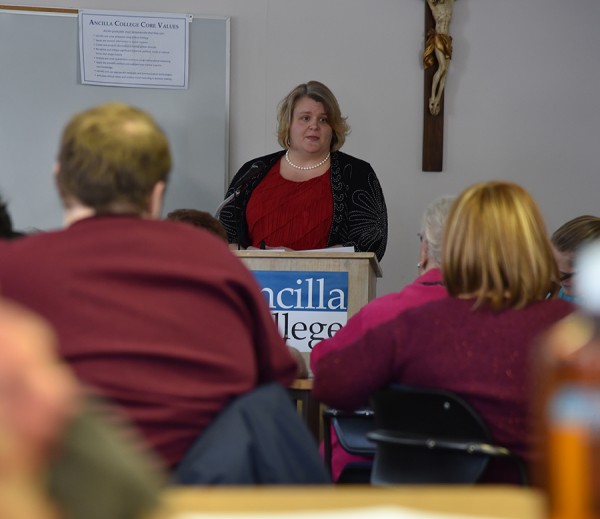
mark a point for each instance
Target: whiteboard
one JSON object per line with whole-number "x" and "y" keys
{"x": 40, "y": 91}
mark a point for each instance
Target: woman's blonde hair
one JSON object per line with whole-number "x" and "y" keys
{"x": 496, "y": 248}
{"x": 321, "y": 94}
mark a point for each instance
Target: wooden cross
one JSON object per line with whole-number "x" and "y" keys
{"x": 433, "y": 125}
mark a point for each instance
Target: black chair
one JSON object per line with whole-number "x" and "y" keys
{"x": 351, "y": 429}
{"x": 432, "y": 436}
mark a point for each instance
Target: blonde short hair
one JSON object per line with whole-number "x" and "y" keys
{"x": 321, "y": 94}
{"x": 496, "y": 249}
{"x": 111, "y": 157}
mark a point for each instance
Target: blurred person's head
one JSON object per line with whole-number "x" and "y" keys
{"x": 566, "y": 241}
{"x": 197, "y": 218}
{"x": 432, "y": 229}
{"x": 37, "y": 391}
{"x": 113, "y": 159}
{"x": 496, "y": 249}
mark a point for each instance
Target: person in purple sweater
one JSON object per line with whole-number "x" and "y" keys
{"x": 502, "y": 279}
{"x": 427, "y": 287}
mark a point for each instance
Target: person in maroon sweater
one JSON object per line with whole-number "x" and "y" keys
{"x": 501, "y": 277}
{"x": 159, "y": 317}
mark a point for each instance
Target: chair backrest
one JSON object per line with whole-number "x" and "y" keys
{"x": 429, "y": 436}
{"x": 351, "y": 430}
{"x": 427, "y": 411}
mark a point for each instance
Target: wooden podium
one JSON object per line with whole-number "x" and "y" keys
{"x": 362, "y": 267}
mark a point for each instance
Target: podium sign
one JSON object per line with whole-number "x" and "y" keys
{"x": 308, "y": 306}
{"x": 311, "y": 295}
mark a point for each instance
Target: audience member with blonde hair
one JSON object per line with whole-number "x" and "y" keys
{"x": 500, "y": 273}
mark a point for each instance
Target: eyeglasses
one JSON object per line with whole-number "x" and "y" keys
{"x": 563, "y": 276}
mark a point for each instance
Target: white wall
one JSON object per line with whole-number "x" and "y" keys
{"x": 521, "y": 97}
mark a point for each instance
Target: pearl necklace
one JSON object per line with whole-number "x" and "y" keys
{"x": 304, "y": 168}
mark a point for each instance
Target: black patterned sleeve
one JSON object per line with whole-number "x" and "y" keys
{"x": 232, "y": 215}
{"x": 367, "y": 212}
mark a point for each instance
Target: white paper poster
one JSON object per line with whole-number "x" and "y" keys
{"x": 132, "y": 49}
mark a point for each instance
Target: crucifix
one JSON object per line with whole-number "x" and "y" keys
{"x": 438, "y": 49}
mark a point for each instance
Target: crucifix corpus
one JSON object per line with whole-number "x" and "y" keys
{"x": 438, "y": 49}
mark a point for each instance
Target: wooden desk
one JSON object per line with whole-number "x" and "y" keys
{"x": 484, "y": 500}
{"x": 301, "y": 391}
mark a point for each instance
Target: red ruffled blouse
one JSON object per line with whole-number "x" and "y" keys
{"x": 290, "y": 214}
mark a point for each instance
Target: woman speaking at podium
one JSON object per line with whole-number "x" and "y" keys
{"x": 309, "y": 195}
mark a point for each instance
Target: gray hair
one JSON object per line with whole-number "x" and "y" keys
{"x": 432, "y": 226}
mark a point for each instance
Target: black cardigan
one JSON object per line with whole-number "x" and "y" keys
{"x": 359, "y": 210}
